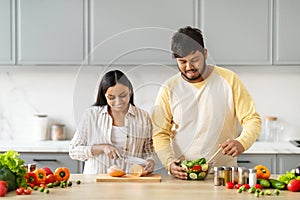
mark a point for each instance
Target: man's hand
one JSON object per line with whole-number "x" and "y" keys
{"x": 177, "y": 171}
{"x": 232, "y": 148}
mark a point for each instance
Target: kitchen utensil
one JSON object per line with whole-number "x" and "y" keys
{"x": 128, "y": 178}
{"x": 213, "y": 156}
{"x": 134, "y": 160}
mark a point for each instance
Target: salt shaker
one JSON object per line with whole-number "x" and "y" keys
{"x": 252, "y": 177}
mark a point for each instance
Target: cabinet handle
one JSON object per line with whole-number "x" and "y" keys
{"x": 44, "y": 160}
{"x": 244, "y": 161}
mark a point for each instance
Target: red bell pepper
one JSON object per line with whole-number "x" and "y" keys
{"x": 31, "y": 178}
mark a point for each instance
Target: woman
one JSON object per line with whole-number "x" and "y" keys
{"x": 113, "y": 129}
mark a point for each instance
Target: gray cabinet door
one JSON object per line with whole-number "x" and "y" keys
{"x": 50, "y": 32}
{"x": 286, "y": 32}
{"x": 136, "y": 32}
{"x": 251, "y": 160}
{"x": 52, "y": 160}
{"x": 7, "y": 39}
{"x": 237, "y": 32}
{"x": 287, "y": 162}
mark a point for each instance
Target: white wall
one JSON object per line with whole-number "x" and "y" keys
{"x": 64, "y": 92}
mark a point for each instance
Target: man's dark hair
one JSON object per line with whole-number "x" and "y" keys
{"x": 187, "y": 40}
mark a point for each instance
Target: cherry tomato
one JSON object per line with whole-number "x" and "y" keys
{"x": 229, "y": 185}
{"x": 247, "y": 186}
{"x": 20, "y": 191}
{"x": 237, "y": 186}
{"x": 27, "y": 191}
{"x": 258, "y": 186}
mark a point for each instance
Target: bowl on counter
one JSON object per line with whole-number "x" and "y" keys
{"x": 197, "y": 169}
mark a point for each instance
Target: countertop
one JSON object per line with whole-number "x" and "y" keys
{"x": 168, "y": 188}
{"x": 273, "y": 148}
{"x": 60, "y": 146}
{"x": 63, "y": 147}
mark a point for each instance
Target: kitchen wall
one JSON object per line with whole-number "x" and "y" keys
{"x": 64, "y": 92}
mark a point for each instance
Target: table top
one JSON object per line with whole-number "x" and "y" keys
{"x": 168, "y": 188}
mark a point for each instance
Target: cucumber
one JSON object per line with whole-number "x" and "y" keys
{"x": 264, "y": 183}
{"x": 277, "y": 184}
{"x": 193, "y": 176}
{"x": 204, "y": 167}
{"x": 201, "y": 175}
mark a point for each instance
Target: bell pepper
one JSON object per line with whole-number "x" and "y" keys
{"x": 262, "y": 172}
{"x": 62, "y": 174}
{"x": 31, "y": 178}
{"x": 50, "y": 178}
{"x": 41, "y": 175}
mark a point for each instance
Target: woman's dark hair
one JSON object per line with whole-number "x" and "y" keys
{"x": 110, "y": 79}
{"x": 187, "y": 40}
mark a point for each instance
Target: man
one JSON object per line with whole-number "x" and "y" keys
{"x": 197, "y": 111}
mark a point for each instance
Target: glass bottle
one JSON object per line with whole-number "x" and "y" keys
{"x": 226, "y": 173}
{"x": 234, "y": 175}
{"x": 270, "y": 128}
{"x": 243, "y": 175}
{"x": 218, "y": 177}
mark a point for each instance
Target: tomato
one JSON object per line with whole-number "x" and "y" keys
{"x": 27, "y": 191}
{"x": 3, "y": 190}
{"x": 196, "y": 168}
{"x": 3, "y": 183}
{"x": 20, "y": 191}
{"x": 258, "y": 186}
{"x": 294, "y": 185}
{"x": 247, "y": 186}
{"x": 229, "y": 185}
{"x": 237, "y": 186}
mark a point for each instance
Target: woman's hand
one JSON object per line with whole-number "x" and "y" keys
{"x": 149, "y": 166}
{"x": 107, "y": 149}
{"x": 177, "y": 171}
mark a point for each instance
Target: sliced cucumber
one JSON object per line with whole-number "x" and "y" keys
{"x": 204, "y": 167}
{"x": 201, "y": 175}
{"x": 184, "y": 166}
{"x": 193, "y": 176}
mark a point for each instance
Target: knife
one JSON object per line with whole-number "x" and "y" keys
{"x": 136, "y": 160}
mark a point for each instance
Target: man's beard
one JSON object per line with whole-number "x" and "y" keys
{"x": 194, "y": 78}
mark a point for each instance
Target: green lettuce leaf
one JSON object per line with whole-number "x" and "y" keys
{"x": 10, "y": 160}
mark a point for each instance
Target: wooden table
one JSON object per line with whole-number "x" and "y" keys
{"x": 168, "y": 188}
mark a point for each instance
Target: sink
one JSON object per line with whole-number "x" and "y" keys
{"x": 295, "y": 142}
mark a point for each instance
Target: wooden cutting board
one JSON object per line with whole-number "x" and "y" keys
{"x": 128, "y": 178}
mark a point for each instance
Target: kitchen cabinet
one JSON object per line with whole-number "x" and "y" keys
{"x": 276, "y": 163}
{"x": 52, "y": 160}
{"x": 138, "y": 32}
{"x": 251, "y": 160}
{"x": 286, "y": 32}
{"x": 287, "y": 162}
{"x": 237, "y": 32}
{"x": 50, "y": 32}
{"x": 7, "y": 39}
